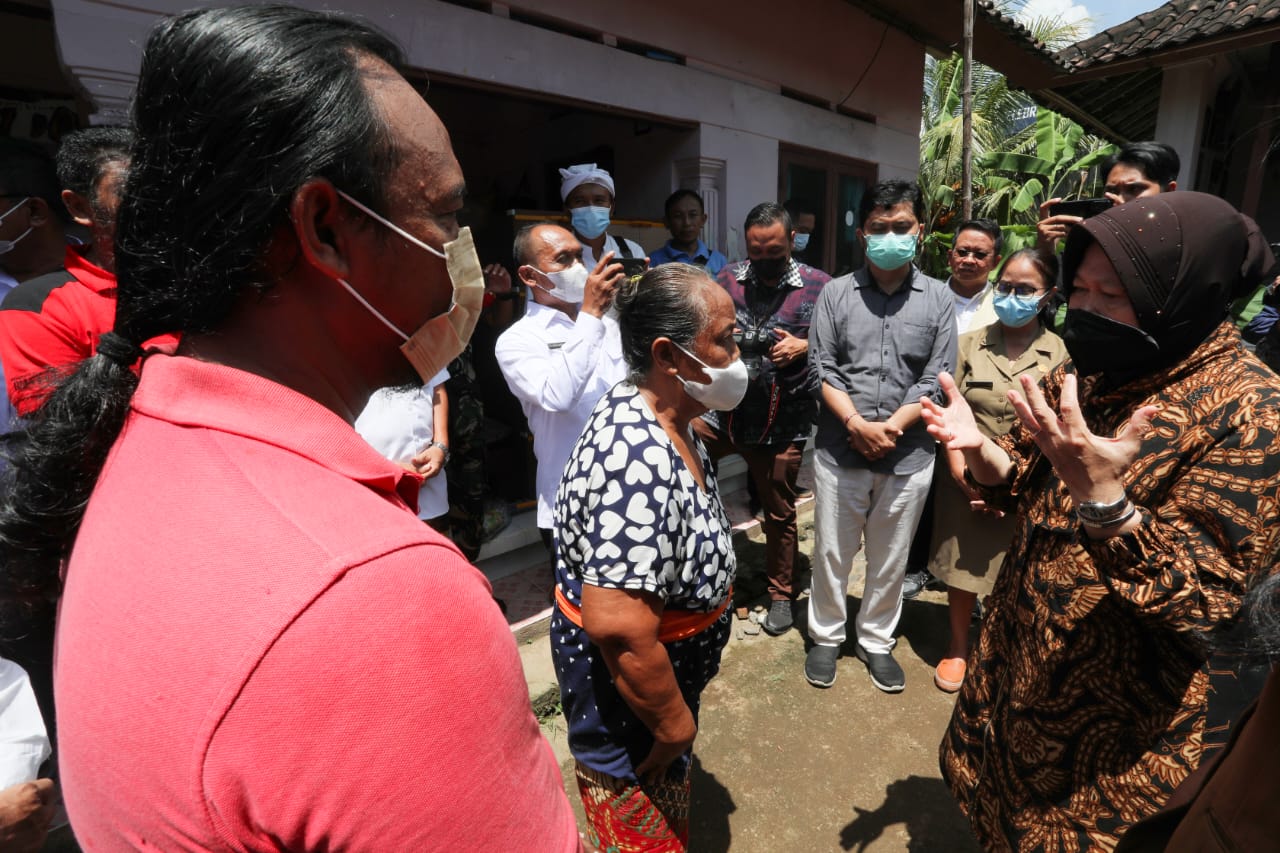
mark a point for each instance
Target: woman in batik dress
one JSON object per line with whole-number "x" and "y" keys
{"x": 1145, "y": 475}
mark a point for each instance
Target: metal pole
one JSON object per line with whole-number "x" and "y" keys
{"x": 966, "y": 153}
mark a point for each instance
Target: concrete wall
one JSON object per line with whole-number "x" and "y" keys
{"x": 1184, "y": 96}
{"x": 729, "y": 92}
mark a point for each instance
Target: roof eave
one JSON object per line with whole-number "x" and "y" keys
{"x": 1172, "y": 56}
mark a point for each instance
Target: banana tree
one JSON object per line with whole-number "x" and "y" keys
{"x": 1053, "y": 158}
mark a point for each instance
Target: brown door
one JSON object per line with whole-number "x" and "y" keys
{"x": 833, "y": 186}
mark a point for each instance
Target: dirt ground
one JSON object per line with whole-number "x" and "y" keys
{"x": 782, "y": 766}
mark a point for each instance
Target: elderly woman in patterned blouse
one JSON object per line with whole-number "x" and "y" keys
{"x": 1145, "y": 474}
{"x": 644, "y": 562}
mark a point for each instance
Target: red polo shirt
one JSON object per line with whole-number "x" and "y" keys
{"x": 53, "y": 321}
{"x": 261, "y": 648}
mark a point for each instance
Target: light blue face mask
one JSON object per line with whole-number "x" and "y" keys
{"x": 891, "y": 251}
{"x": 801, "y": 242}
{"x": 590, "y": 222}
{"x": 1014, "y": 310}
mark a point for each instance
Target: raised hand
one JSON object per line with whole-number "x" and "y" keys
{"x": 1090, "y": 466}
{"x": 954, "y": 426}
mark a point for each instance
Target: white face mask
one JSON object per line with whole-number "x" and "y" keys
{"x": 570, "y": 283}
{"x": 6, "y": 246}
{"x": 442, "y": 338}
{"x": 726, "y": 389}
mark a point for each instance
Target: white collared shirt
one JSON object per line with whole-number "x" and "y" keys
{"x": 24, "y": 744}
{"x": 558, "y": 369}
{"x": 610, "y": 245}
{"x": 969, "y": 307}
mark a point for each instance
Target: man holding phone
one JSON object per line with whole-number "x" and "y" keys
{"x": 773, "y": 298}
{"x": 565, "y": 353}
{"x": 1137, "y": 170}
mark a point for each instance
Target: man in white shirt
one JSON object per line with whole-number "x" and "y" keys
{"x": 565, "y": 353}
{"x": 975, "y": 252}
{"x": 587, "y": 192}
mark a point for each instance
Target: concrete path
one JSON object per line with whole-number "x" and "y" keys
{"x": 782, "y": 766}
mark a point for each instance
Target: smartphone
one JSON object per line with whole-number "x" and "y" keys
{"x": 1082, "y": 207}
{"x": 632, "y": 266}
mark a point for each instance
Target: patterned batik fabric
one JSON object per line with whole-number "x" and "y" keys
{"x": 629, "y": 515}
{"x": 624, "y": 817}
{"x": 1085, "y": 700}
{"x": 468, "y": 483}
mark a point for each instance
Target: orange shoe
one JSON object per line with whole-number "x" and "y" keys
{"x": 949, "y": 674}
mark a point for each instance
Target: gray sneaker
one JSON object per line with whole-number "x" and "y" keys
{"x": 779, "y": 619}
{"x": 820, "y": 665}
{"x": 883, "y": 669}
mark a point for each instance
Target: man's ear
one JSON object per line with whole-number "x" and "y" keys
{"x": 527, "y": 276}
{"x": 79, "y": 208}
{"x": 1172, "y": 185}
{"x": 324, "y": 227}
{"x": 41, "y": 213}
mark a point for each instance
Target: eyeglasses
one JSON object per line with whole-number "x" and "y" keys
{"x": 977, "y": 254}
{"x": 1017, "y": 289}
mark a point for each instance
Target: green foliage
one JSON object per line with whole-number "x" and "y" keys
{"x": 1016, "y": 166}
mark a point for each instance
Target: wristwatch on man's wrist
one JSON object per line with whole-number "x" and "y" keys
{"x": 444, "y": 447}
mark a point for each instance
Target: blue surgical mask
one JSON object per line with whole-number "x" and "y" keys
{"x": 801, "y": 242}
{"x": 590, "y": 222}
{"x": 1014, "y": 310}
{"x": 891, "y": 251}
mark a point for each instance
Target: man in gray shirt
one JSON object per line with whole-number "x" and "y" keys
{"x": 878, "y": 340}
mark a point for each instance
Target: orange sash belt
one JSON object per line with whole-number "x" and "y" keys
{"x": 675, "y": 624}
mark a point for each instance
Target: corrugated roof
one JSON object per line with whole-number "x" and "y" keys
{"x": 1176, "y": 23}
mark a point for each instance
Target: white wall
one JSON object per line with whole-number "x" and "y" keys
{"x": 751, "y": 166}
{"x": 1184, "y": 99}
{"x": 829, "y": 48}
{"x": 101, "y": 44}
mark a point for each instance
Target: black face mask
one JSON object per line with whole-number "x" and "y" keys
{"x": 1099, "y": 344}
{"x": 769, "y": 269}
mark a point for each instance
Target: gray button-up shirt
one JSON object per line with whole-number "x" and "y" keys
{"x": 884, "y": 351}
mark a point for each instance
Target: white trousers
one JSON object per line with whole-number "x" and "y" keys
{"x": 851, "y": 503}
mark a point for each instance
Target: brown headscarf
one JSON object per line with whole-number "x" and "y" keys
{"x": 1182, "y": 257}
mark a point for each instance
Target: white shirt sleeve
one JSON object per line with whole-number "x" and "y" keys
{"x": 24, "y": 743}
{"x": 547, "y": 377}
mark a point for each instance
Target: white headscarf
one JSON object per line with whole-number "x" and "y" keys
{"x": 583, "y": 173}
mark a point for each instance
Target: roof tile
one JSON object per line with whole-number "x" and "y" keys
{"x": 1175, "y": 23}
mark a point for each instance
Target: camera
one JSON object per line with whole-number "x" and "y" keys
{"x": 754, "y": 346}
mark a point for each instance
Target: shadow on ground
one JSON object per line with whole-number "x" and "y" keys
{"x": 923, "y": 806}
{"x": 710, "y": 807}
{"x": 751, "y": 585}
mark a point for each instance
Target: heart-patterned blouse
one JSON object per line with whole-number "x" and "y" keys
{"x": 629, "y": 515}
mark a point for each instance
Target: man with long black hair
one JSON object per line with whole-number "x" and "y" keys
{"x": 259, "y": 645}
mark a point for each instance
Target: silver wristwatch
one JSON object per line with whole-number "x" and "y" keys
{"x": 1098, "y": 514}
{"x": 445, "y": 448}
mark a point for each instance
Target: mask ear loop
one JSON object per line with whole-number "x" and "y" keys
{"x": 396, "y": 228}
{"x": 374, "y": 311}
{"x": 5, "y": 215}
